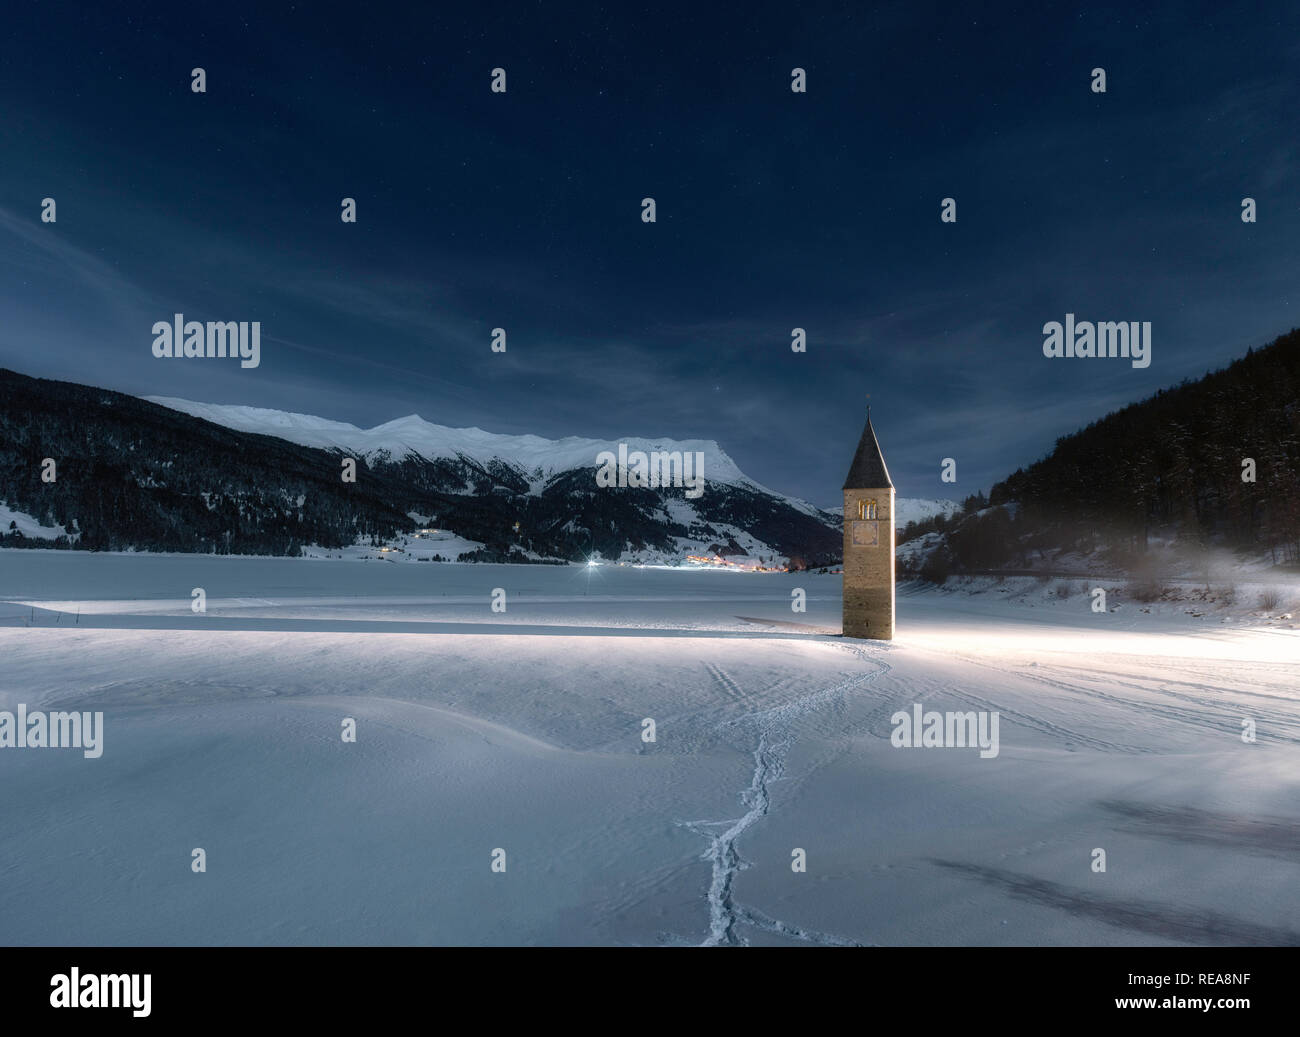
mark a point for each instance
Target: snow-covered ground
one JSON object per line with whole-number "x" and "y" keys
{"x": 29, "y": 527}
{"x": 422, "y": 545}
{"x": 522, "y": 731}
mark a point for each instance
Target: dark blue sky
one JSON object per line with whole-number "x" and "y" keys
{"x": 775, "y": 210}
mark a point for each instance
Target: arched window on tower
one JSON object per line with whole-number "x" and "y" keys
{"x": 867, "y": 508}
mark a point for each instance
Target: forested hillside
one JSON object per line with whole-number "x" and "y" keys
{"x": 1170, "y": 466}
{"x": 130, "y": 474}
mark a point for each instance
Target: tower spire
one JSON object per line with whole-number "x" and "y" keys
{"x": 868, "y": 470}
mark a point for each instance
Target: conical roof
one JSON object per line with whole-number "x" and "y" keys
{"x": 868, "y": 471}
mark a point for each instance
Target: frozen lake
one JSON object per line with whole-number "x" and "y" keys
{"x": 522, "y": 730}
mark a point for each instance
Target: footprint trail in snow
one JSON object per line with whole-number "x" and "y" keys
{"x": 772, "y": 727}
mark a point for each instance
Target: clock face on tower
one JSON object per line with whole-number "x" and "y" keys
{"x": 865, "y": 533}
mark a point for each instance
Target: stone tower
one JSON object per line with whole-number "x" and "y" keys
{"x": 869, "y": 543}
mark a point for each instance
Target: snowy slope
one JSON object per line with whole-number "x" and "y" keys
{"x": 736, "y": 516}
{"x": 28, "y": 526}
{"x": 537, "y": 458}
{"x": 522, "y": 730}
{"x": 918, "y": 509}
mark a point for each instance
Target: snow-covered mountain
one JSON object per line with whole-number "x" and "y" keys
{"x": 536, "y": 461}
{"x": 918, "y": 509}
{"x": 547, "y": 489}
{"x": 175, "y": 475}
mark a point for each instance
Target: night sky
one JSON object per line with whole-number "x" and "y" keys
{"x": 775, "y": 210}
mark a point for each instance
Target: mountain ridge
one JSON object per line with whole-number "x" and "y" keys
{"x": 135, "y": 475}
{"x": 535, "y": 455}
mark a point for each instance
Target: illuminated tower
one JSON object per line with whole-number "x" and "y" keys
{"x": 869, "y": 543}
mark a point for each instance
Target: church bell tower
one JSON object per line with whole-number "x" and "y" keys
{"x": 869, "y": 543}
